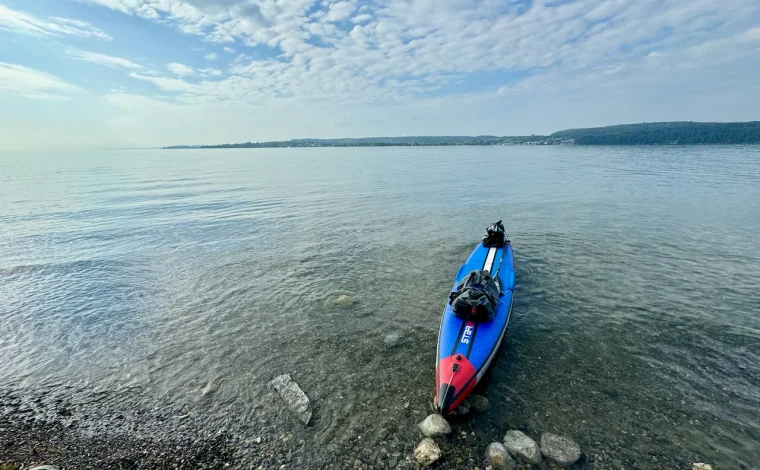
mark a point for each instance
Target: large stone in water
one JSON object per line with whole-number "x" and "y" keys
{"x": 498, "y": 457}
{"x": 344, "y": 300}
{"x": 522, "y": 447}
{"x": 293, "y": 396}
{"x": 701, "y": 466}
{"x": 560, "y": 450}
{"x": 427, "y": 452}
{"x": 434, "y": 426}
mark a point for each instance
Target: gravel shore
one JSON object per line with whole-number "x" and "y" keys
{"x": 121, "y": 431}
{"x": 46, "y": 429}
{"x": 130, "y": 429}
{"x": 26, "y": 444}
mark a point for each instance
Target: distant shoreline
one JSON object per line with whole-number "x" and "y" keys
{"x": 264, "y": 146}
{"x": 645, "y": 134}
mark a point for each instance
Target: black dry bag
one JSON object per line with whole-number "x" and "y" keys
{"x": 495, "y": 236}
{"x": 476, "y": 297}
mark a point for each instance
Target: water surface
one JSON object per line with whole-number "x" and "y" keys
{"x": 166, "y": 273}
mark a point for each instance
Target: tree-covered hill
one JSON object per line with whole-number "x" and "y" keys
{"x": 665, "y": 133}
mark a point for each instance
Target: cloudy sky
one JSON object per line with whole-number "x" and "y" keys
{"x": 115, "y": 73}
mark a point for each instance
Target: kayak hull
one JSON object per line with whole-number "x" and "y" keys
{"x": 467, "y": 348}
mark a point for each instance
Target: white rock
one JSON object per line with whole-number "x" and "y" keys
{"x": 434, "y": 426}
{"x": 427, "y": 452}
{"x": 46, "y": 467}
{"x": 701, "y": 466}
{"x": 522, "y": 447}
{"x": 498, "y": 457}
{"x": 560, "y": 450}
{"x": 293, "y": 396}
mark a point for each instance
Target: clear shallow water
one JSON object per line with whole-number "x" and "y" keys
{"x": 636, "y": 324}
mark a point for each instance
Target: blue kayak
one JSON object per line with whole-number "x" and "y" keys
{"x": 466, "y": 346}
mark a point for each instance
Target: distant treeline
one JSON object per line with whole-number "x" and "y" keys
{"x": 667, "y": 133}
{"x": 656, "y": 133}
{"x": 379, "y": 142}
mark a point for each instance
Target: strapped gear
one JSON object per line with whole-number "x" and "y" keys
{"x": 476, "y": 296}
{"x": 495, "y": 236}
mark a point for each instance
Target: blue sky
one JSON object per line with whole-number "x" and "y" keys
{"x": 115, "y": 73}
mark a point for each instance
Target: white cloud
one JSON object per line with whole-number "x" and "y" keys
{"x": 395, "y": 48}
{"x": 22, "y": 81}
{"x": 339, "y": 11}
{"x": 426, "y": 59}
{"x": 102, "y": 59}
{"x": 168, "y": 84}
{"x": 210, "y": 72}
{"x": 180, "y": 69}
{"x": 751, "y": 34}
{"x": 363, "y": 18}
{"x": 23, "y": 23}
{"x": 211, "y": 56}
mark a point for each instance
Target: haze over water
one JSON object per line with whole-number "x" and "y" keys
{"x": 163, "y": 273}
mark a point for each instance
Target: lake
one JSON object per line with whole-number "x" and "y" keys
{"x": 186, "y": 280}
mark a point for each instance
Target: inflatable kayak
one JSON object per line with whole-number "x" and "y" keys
{"x": 475, "y": 319}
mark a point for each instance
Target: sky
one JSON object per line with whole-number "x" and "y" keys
{"x": 145, "y": 73}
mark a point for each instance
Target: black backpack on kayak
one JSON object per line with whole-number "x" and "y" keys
{"x": 496, "y": 236}
{"x": 476, "y": 297}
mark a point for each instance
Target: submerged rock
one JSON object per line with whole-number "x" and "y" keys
{"x": 391, "y": 339}
{"x": 463, "y": 409}
{"x": 339, "y": 301}
{"x": 212, "y": 386}
{"x": 560, "y": 450}
{"x": 293, "y": 396}
{"x": 479, "y": 403}
{"x": 343, "y": 300}
{"x": 434, "y": 426}
{"x": 427, "y": 452}
{"x": 498, "y": 457}
{"x": 701, "y": 466}
{"x": 522, "y": 447}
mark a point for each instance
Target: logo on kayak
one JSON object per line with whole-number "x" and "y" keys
{"x": 467, "y": 334}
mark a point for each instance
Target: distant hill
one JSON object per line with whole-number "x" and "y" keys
{"x": 381, "y": 142}
{"x": 666, "y": 133}
{"x": 406, "y": 140}
{"x": 655, "y": 133}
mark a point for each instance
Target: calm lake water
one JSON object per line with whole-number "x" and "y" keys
{"x": 161, "y": 274}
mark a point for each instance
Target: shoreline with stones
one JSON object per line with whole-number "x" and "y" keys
{"x": 40, "y": 430}
{"x": 518, "y": 451}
